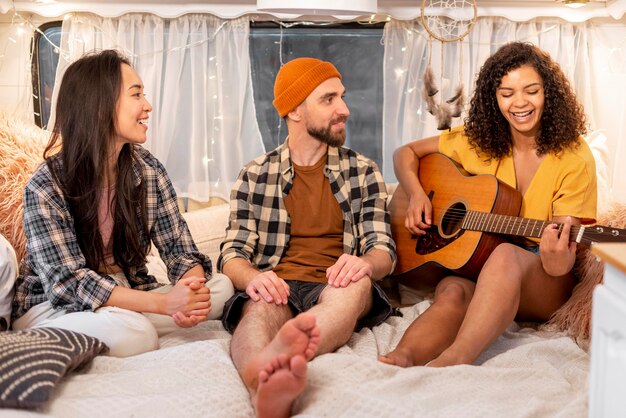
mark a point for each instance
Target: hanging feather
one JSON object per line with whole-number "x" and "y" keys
{"x": 429, "y": 91}
{"x": 444, "y": 116}
{"x": 431, "y": 104}
{"x": 457, "y": 94}
{"x": 430, "y": 88}
{"x": 457, "y": 102}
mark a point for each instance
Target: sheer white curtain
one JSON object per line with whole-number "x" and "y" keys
{"x": 196, "y": 72}
{"x": 407, "y": 54}
{"x": 607, "y": 57}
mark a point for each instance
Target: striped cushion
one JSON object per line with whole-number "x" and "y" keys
{"x": 33, "y": 361}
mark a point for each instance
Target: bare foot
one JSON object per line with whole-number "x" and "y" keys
{"x": 449, "y": 358}
{"x": 298, "y": 336}
{"x": 397, "y": 357}
{"x": 280, "y": 383}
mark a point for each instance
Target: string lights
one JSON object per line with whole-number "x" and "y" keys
{"x": 22, "y": 27}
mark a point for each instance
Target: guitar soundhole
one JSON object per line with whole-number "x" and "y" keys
{"x": 452, "y": 219}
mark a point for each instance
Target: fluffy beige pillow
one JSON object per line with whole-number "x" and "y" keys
{"x": 574, "y": 317}
{"x": 208, "y": 229}
{"x": 21, "y": 151}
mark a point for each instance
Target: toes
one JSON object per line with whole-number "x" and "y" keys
{"x": 386, "y": 360}
{"x": 263, "y": 376}
{"x": 283, "y": 360}
{"x": 298, "y": 367}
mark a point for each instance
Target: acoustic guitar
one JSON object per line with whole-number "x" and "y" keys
{"x": 471, "y": 216}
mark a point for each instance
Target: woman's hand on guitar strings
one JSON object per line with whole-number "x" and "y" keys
{"x": 419, "y": 214}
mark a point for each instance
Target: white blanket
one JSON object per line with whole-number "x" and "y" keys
{"x": 525, "y": 373}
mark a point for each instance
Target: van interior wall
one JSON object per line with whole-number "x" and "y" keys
{"x": 15, "y": 65}
{"x": 608, "y": 68}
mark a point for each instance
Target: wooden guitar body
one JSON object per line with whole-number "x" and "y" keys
{"x": 447, "y": 248}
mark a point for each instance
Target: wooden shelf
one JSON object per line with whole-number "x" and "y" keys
{"x": 612, "y": 253}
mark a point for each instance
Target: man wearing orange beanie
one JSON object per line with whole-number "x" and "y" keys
{"x": 308, "y": 237}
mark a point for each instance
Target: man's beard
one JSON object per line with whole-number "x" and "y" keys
{"x": 326, "y": 136}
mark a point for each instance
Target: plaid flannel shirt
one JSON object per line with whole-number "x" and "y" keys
{"x": 55, "y": 269}
{"x": 259, "y": 225}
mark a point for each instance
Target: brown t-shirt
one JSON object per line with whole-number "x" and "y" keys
{"x": 316, "y": 239}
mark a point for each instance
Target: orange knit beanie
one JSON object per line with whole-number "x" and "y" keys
{"x": 297, "y": 79}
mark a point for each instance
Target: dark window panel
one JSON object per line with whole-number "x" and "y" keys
{"x": 44, "y": 65}
{"x": 355, "y": 50}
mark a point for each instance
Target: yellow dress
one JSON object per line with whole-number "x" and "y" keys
{"x": 564, "y": 184}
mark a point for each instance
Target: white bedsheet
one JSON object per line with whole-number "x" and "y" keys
{"x": 525, "y": 373}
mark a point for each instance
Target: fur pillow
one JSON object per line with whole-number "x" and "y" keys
{"x": 21, "y": 151}
{"x": 574, "y": 317}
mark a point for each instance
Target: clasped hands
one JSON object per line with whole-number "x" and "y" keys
{"x": 188, "y": 302}
{"x": 272, "y": 289}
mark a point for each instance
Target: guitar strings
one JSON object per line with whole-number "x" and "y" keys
{"x": 512, "y": 222}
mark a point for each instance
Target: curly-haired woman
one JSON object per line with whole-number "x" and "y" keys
{"x": 524, "y": 126}
{"x": 91, "y": 212}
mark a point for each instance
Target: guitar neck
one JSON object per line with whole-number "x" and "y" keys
{"x": 533, "y": 228}
{"x": 504, "y": 224}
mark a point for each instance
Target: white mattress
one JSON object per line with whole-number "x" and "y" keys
{"x": 525, "y": 373}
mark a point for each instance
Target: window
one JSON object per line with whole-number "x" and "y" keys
{"x": 44, "y": 65}
{"x": 357, "y": 52}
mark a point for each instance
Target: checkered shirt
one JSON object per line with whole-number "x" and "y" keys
{"x": 55, "y": 269}
{"x": 259, "y": 225}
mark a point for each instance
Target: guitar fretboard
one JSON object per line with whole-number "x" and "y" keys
{"x": 533, "y": 228}
{"x": 504, "y": 224}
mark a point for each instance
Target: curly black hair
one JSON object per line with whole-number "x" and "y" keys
{"x": 563, "y": 119}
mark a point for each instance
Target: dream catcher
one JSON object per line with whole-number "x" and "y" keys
{"x": 446, "y": 21}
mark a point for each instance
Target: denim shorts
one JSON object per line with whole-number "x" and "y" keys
{"x": 302, "y": 297}
{"x": 528, "y": 247}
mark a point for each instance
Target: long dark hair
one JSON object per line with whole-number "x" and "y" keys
{"x": 563, "y": 119}
{"x": 85, "y": 125}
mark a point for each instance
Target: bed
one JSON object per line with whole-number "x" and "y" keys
{"x": 525, "y": 373}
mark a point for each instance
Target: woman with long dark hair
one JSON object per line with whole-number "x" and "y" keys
{"x": 525, "y": 127}
{"x": 91, "y": 212}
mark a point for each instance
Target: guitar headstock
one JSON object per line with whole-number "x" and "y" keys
{"x": 598, "y": 233}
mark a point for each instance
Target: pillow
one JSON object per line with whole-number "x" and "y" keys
{"x": 21, "y": 152}
{"x": 33, "y": 361}
{"x": 208, "y": 229}
{"x": 574, "y": 317}
{"x": 8, "y": 274}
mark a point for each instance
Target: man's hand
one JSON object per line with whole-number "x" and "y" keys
{"x": 348, "y": 269}
{"x": 269, "y": 287}
{"x": 557, "y": 253}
